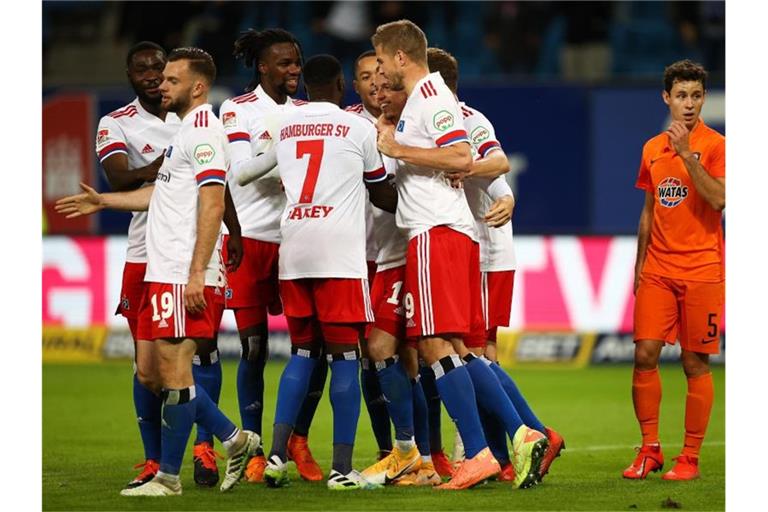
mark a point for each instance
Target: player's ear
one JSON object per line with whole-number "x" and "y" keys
{"x": 665, "y": 97}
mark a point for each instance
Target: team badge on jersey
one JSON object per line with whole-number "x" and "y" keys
{"x": 204, "y": 153}
{"x": 102, "y": 136}
{"x": 168, "y": 152}
{"x": 443, "y": 120}
{"x": 229, "y": 119}
{"x": 671, "y": 192}
{"x": 401, "y": 126}
{"x": 480, "y": 134}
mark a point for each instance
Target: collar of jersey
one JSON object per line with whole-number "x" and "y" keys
{"x": 262, "y": 95}
{"x": 189, "y": 117}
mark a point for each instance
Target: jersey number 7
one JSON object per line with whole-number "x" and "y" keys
{"x": 313, "y": 148}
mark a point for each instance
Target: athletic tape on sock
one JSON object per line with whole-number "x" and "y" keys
{"x": 380, "y": 365}
{"x": 446, "y": 364}
{"x": 350, "y": 355}
{"x": 178, "y": 396}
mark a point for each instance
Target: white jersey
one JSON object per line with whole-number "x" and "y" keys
{"x": 196, "y": 157}
{"x": 142, "y": 137}
{"x": 390, "y": 239}
{"x": 497, "y": 252}
{"x": 371, "y": 212}
{"x": 324, "y": 154}
{"x": 249, "y": 121}
{"x": 430, "y": 119}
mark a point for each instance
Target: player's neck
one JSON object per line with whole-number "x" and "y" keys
{"x": 412, "y": 76}
{"x": 155, "y": 110}
{"x": 277, "y": 96}
{"x": 196, "y": 102}
{"x": 375, "y": 112}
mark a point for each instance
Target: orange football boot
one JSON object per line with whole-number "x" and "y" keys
{"x": 443, "y": 466}
{"x": 204, "y": 457}
{"x": 298, "y": 452}
{"x": 254, "y": 472}
{"x": 556, "y": 445}
{"x": 685, "y": 468}
{"x": 507, "y": 473}
{"x": 473, "y": 471}
{"x": 149, "y": 469}
{"x": 649, "y": 458}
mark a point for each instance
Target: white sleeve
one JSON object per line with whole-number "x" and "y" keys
{"x": 482, "y": 135}
{"x": 208, "y": 155}
{"x": 238, "y": 133}
{"x": 498, "y": 188}
{"x": 254, "y": 168}
{"x": 442, "y": 119}
{"x": 110, "y": 139}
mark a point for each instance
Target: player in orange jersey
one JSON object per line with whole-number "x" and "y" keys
{"x": 679, "y": 273}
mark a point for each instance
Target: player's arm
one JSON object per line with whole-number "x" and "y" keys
{"x": 381, "y": 189}
{"x": 454, "y": 157}
{"x": 643, "y": 235}
{"x": 503, "y": 205}
{"x": 251, "y": 169}
{"x": 210, "y": 213}
{"x": 491, "y": 166}
{"x": 383, "y": 195}
{"x": 90, "y": 201}
{"x": 710, "y": 186}
{"x": 235, "y": 241}
{"x": 122, "y": 178}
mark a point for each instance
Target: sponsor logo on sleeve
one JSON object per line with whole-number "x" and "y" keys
{"x": 229, "y": 119}
{"x": 204, "y": 153}
{"x": 480, "y": 134}
{"x": 443, "y": 120}
{"x": 102, "y": 137}
{"x": 671, "y": 192}
{"x": 401, "y": 126}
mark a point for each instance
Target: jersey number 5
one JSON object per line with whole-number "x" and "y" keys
{"x": 313, "y": 148}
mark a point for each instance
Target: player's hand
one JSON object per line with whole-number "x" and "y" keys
{"x": 678, "y": 137}
{"x": 381, "y": 122}
{"x": 386, "y": 141}
{"x": 500, "y": 212}
{"x": 456, "y": 178}
{"x": 151, "y": 170}
{"x": 194, "y": 297}
{"x": 234, "y": 252}
{"x": 86, "y": 203}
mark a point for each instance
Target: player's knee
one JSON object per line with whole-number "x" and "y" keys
{"x": 694, "y": 363}
{"x": 254, "y": 344}
{"x": 646, "y": 355}
{"x": 409, "y": 358}
{"x": 148, "y": 379}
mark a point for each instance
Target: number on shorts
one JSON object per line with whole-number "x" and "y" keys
{"x": 395, "y": 297}
{"x": 712, "y": 323}
{"x": 314, "y": 148}
{"x": 408, "y": 303}
{"x": 166, "y": 305}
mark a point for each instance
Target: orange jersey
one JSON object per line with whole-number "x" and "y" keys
{"x": 686, "y": 234}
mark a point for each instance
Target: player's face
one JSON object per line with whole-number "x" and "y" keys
{"x": 281, "y": 68}
{"x": 364, "y": 82}
{"x": 176, "y": 88}
{"x": 391, "y": 101}
{"x": 388, "y": 65}
{"x": 685, "y": 101}
{"x": 145, "y": 72}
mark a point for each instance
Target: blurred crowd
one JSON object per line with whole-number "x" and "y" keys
{"x": 571, "y": 41}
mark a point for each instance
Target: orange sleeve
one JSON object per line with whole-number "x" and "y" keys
{"x": 716, "y": 161}
{"x": 644, "y": 175}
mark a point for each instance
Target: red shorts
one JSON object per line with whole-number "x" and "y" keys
{"x": 132, "y": 291}
{"x": 386, "y": 297}
{"x": 335, "y": 300}
{"x": 496, "y": 294}
{"x": 668, "y": 309}
{"x": 371, "y": 270}
{"x": 477, "y": 336}
{"x": 162, "y": 313}
{"x": 442, "y": 275}
{"x": 254, "y": 283}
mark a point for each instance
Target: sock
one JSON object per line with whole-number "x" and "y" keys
{"x": 496, "y": 437}
{"x": 311, "y": 401}
{"x": 179, "y": 411}
{"x": 420, "y": 419}
{"x": 290, "y": 395}
{"x": 376, "y": 405}
{"x": 250, "y": 382}
{"x": 207, "y": 374}
{"x": 491, "y": 396}
{"x": 514, "y": 394}
{"x": 456, "y": 390}
{"x": 698, "y": 406}
{"x": 210, "y": 417}
{"x": 148, "y": 411}
{"x": 345, "y": 401}
{"x": 646, "y": 397}
{"x": 433, "y": 408}
{"x": 399, "y": 394}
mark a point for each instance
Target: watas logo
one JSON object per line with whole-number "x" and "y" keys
{"x": 671, "y": 192}
{"x": 443, "y": 120}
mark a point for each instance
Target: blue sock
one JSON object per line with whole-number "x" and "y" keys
{"x": 376, "y": 405}
{"x": 496, "y": 437}
{"x": 208, "y": 376}
{"x": 345, "y": 400}
{"x": 179, "y": 411}
{"x": 211, "y": 418}
{"x": 148, "y": 410}
{"x": 491, "y": 396}
{"x": 397, "y": 389}
{"x": 458, "y": 395}
{"x": 293, "y": 387}
{"x": 311, "y": 401}
{"x": 420, "y": 419}
{"x": 529, "y": 418}
{"x": 433, "y": 408}
{"x": 250, "y": 381}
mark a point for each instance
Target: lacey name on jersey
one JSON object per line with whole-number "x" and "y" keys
{"x": 314, "y": 130}
{"x": 671, "y": 192}
{"x": 309, "y": 212}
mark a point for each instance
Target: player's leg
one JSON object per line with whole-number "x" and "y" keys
{"x": 298, "y": 444}
{"x": 434, "y": 412}
{"x": 655, "y": 321}
{"x": 206, "y": 371}
{"x": 375, "y": 402}
{"x": 700, "y": 337}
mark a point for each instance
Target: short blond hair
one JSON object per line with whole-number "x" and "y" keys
{"x": 402, "y": 35}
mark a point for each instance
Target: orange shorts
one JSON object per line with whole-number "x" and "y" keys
{"x": 670, "y": 309}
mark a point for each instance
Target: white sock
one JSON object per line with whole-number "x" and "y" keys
{"x": 426, "y": 459}
{"x": 405, "y": 446}
{"x": 229, "y": 444}
{"x": 172, "y": 479}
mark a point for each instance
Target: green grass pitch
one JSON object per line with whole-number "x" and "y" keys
{"x": 90, "y": 442}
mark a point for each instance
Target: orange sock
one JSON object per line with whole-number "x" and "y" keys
{"x": 646, "y": 396}
{"x": 698, "y": 406}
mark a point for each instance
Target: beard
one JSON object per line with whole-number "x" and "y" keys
{"x": 396, "y": 81}
{"x": 177, "y": 105}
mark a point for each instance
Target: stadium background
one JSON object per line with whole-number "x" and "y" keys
{"x": 573, "y": 89}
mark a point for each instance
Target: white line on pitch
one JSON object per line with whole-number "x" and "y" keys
{"x": 606, "y": 447}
